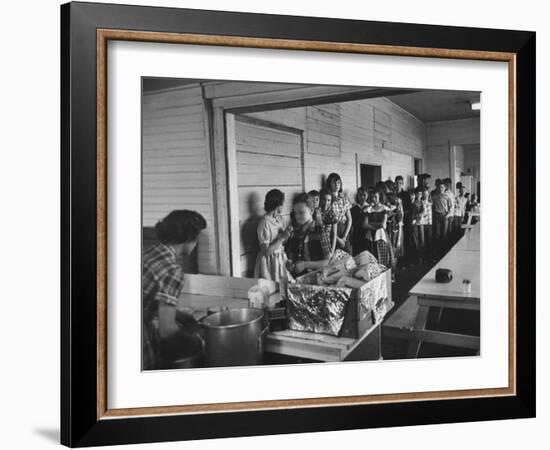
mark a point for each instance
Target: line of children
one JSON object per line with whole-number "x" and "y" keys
{"x": 394, "y": 224}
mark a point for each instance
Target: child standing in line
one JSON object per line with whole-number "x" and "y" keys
{"x": 327, "y": 217}
{"x": 427, "y": 221}
{"x": 314, "y": 200}
{"x": 271, "y": 259}
{"x": 417, "y": 215}
{"x": 359, "y": 218}
{"x": 472, "y": 206}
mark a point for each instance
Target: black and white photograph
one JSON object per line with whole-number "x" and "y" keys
{"x": 299, "y": 224}
{"x": 277, "y": 224}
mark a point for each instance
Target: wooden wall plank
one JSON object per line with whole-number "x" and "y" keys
{"x": 274, "y": 161}
{"x": 176, "y": 171}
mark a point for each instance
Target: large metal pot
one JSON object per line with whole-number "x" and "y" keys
{"x": 234, "y": 337}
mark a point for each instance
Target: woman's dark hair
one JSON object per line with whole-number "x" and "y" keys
{"x": 380, "y": 186}
{"x": 334, "y": 177}
{"x": 373, "y": 193}
{"x": 392, "y": 199}
{"x": 324, "y": 192}
{"x": 273, "y": 199}
{"x": 313, "y": 193}
{"x": 301, "y": 198}
{"x": 180, "y": 226}
{"x": 391, "y": 186}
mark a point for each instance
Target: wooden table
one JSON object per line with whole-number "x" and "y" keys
{"x": 323, "y": 347}
{"x": 464, "y": 264}
{"x": 204, "y": 291}
{"x": 409, "y": 322}
{"x": 470, "y": 241}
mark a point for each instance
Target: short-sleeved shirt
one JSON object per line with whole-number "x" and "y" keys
{"x": 340, "y": 207}
{"x": 269, "y": 229}
{"x": 460, "y": 205}
{"x": 162, "y": 278}
{"x": 427, "y": 215}
{"x": 441, "y": 203}
{"x": 451, "y": 196}
{"x": 308, "y": 244}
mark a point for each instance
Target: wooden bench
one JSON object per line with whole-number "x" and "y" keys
{"x": 409, "y": 323}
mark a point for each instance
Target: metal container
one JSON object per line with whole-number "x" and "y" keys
{"x": 234, "y": 337}
{"x": 185, "y": 351}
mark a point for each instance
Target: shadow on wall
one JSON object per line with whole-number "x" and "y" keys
{"x": 249, "y": 235}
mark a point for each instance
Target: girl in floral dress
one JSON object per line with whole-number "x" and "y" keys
{"x": 271, "y": 259}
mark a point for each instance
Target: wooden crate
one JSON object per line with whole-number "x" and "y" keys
{"x": 203, "y": 291}
{"x": 358, "y": 318}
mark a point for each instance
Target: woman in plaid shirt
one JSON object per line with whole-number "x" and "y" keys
{"x": 308, "y": 247}
{"x": 341, "y": 208}
{"x": 162, "y": 282}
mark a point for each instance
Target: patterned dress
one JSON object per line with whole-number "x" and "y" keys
{"x": 340, "y": 207}
{"x": 379, "y": 242}
{"x": 270, "y": 267}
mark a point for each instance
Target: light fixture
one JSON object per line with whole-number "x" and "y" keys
{"x": 475, "y": 106}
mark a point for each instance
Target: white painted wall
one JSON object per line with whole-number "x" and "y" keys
{"x": 176, "y": 163}
{"x": 441, "y": 135}
{"x": 340, "y": 135}
{"x": 337, "y": 137}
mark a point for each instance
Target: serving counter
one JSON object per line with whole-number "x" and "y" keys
{"x": 202, "y": 292}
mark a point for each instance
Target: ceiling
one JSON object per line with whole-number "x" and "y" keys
{"x": 154, "y": 84}
{"x": 434, "y": 105}
{"x": 426, "y": 105}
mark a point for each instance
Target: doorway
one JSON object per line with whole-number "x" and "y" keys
{"x": 370, "y": 175}
{"x": 417, "y": 166}
{"x": 264, "y": 156}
